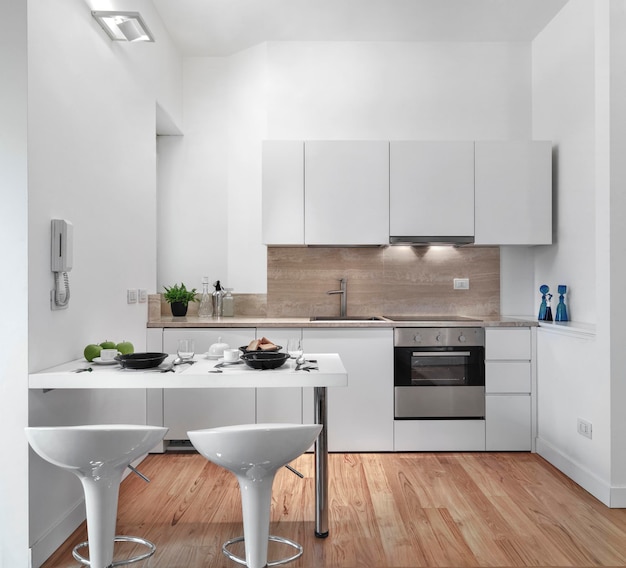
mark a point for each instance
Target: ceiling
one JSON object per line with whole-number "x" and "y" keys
{"x": 224, "y": 27}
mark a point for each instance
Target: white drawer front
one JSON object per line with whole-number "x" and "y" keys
{"x": 507, "y": 377}
{"x": 511, "y": 343}
{"x": 439, "y": 435}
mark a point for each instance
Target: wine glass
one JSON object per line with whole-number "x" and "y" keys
{"x": 186, "y": 349}
{"x": 294, "y": 347}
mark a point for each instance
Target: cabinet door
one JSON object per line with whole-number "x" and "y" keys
{"x": 346, "y": 193}
{"x": 431, "y": 188}
{"x": 360, "y": 416}
{"x": 507, "y": 423}
{"x": 513, "y": 193}
{"x": 283, "y": 192}
{"x": 192, "y": 409}
{"x": 279, "y": 404}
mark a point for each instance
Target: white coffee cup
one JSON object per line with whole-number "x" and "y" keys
{"x": 108, "y": 354}
{"x": 231, "y": 355}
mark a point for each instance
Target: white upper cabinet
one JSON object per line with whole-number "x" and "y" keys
{"x": 283, "y": 192}
{"x": 355, "y": 192}
{"x": 346, "y": 192}
{"x": 431, "y": 189}
{"x": 513, "y": 193}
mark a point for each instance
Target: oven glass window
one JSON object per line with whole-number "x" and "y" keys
{"x": 445, "y": 369}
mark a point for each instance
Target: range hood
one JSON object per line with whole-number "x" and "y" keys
{"x": 435, "y": 240}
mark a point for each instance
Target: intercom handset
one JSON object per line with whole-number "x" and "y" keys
{"x": 62, "y": 246}
{"x": 61, "y": 260}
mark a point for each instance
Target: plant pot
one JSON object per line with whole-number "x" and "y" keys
{"x": 178, "y": 309}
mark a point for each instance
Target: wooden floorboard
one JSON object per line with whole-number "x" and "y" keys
{"x": 396, "y": 510}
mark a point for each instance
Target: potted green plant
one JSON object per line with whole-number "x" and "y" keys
{"x": 178, "y": 297}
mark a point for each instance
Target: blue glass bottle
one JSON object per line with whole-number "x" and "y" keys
{"x": 543, "y": 308}
{"x": 561, "y": 308}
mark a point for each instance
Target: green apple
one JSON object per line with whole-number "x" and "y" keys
{"x": 125, "y": 347}
{"x": 108, "y": 344}
{"x": 92, "y": 351}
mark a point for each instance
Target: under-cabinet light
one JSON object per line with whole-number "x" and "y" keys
{"x": 124, "y": 26}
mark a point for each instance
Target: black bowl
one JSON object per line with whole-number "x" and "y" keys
{"x": 141, "y": 360}
{"x": 244, "y": 349}
{"x": 265, "y": 359}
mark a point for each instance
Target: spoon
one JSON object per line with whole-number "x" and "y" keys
{"x": 171, "y": 367}
{"x": 300, "y": 361}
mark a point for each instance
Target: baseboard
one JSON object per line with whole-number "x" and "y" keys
{"x": 576, "y": 472}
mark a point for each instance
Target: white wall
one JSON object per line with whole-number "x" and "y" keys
{"x": 92, "y": 160}
{"x": 564, "y": 111}
{"x": 579, "y": 92}
{"x": 611, "y": 15}
{"x": 193, "y": 181}
{"x": 14, "y": 285}
{"x": 322, "y": 90}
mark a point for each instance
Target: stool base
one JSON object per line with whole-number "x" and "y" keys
{"x": 280, "y": 539}
{"x": 151, "y": 550}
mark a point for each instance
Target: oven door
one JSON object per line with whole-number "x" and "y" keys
{"x": 439, "y": 382}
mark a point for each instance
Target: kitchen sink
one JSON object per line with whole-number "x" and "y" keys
{"x": 347, "y": 318}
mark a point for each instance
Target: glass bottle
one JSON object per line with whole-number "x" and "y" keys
{"x": 543, "y": 308}
{"x": 549, "y": 307}
{"x": 228, "y": 303}
{"x": 218, "y": 295}
{"x": 206, "y": 302}
{"x": 561, "y": 308}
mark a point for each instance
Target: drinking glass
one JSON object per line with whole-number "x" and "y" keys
{"x": 186, "y": 349}
{"x": 294, "y": 347}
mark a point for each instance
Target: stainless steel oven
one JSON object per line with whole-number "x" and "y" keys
{"x": 439, "y": 372}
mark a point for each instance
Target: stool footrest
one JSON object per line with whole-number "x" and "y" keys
{"x": 150, "y": 545}
{"x": 273, "y": 538}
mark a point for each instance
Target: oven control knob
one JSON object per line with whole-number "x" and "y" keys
{"x": 462, "y": 338}
{"x": 417, "y": 338}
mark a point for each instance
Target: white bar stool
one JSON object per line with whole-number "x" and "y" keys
{"x": 254, "y": 452}
{"x": 98, "y": 455}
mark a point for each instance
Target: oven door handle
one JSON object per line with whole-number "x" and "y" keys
{"x": 441, "y": 354}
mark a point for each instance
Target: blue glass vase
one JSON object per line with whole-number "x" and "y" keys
{"x": 543, "y": 308}
{"x": 561, "y": 308}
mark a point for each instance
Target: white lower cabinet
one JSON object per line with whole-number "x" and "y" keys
{"x": 360, "y": 416}
{"x": 279, "y": 404}
{"x": 508, "y": 422}
{"x": 508, "y": 386}
{"x": 192, "y": 409}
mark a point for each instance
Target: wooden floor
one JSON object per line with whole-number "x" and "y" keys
{"x": 386, "y": 510}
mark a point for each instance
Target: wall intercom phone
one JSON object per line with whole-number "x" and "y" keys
{"x": 61, "y": 259}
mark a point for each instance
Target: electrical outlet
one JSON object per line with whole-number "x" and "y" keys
{"x": 131, "y": 296}
{"x": 584, "y": 428}
{"x": 461, "y": 283}
{"x": 143, "y": 295}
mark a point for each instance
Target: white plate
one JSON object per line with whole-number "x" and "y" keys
{"x": 214, "y": 357}
{"x": 99, "y": 361}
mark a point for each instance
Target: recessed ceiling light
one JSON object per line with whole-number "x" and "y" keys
{"x": 123, "y": 26}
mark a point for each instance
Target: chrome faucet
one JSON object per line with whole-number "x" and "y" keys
{"x": 344, "y": 295}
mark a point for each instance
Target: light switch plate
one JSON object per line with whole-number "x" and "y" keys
{"x": 461, "y": 283}
{"x": 131, "y": 296}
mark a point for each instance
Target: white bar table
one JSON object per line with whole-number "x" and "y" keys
{"x": 331, "y": 373}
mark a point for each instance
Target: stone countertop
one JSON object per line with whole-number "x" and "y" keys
{"x": 303, "y": 322}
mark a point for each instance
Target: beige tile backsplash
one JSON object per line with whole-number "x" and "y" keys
{"x": 383, "y": 281}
